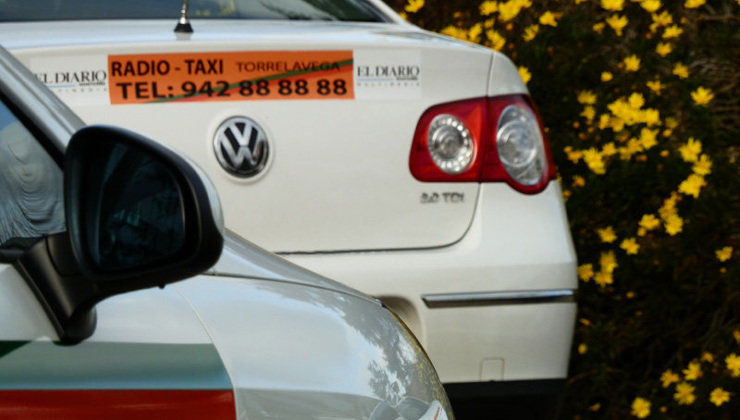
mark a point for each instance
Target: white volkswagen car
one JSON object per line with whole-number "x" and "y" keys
{"x": 89, "y": 225}
{"x": 405, "y": 164}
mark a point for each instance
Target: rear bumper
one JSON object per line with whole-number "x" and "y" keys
{"x": 496, "y": 305}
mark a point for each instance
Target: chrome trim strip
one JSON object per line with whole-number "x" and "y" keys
{"x": 450, "y": 300}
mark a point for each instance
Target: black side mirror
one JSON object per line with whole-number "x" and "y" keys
{"x": 138, "y": 215}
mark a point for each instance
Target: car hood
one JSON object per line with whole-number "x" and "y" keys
{"x": 243, "y": 259}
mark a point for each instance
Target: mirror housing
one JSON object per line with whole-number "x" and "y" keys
{"x": 138, "y": 215}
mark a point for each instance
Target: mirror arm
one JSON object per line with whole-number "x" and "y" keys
{"x": 68, "y": 298}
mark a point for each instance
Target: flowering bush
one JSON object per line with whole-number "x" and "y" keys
{"x": 641, "y": 103}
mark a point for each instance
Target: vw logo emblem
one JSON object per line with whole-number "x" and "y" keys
{"x": 241, "y": 147}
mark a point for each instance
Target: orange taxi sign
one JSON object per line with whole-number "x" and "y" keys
{"x": 230, "y": 76}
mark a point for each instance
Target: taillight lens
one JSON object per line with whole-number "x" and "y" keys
{"x": 450, "y": 144}
{"x": 496, "y": 139}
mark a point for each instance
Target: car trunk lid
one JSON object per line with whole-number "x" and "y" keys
{"x": 337, "y": 174}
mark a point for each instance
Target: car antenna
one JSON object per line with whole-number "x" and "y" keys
{"x": 183, "y": 25}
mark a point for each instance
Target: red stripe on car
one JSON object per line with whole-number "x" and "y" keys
{"x": 117, "y": 404}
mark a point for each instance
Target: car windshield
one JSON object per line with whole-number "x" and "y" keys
{"x": 344, "y": 10}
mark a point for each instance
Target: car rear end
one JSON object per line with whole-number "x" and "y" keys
{"x": 405, "y": 164}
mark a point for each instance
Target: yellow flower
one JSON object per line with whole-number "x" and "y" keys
{"x": 692, "y": 372}
{"x": 707, "y": 357}
{"x": 617, "y": 124}
{"x": 625, "y": 113}
{"x": 692, "y": 185}
{"x": 413, "y": 6}
{"x": 496, "y": 41}
{"x": 603, "y": 278}
{"x": 525, "y": 74}
{"x": 578, "y": 181}
{"x": 651, "y": 117}
{"x": 631, "y": 63}
{"x": 724, "y": 254}
{"x": 586, "y": 97}
{"x": 607, "y": 234}
{"x": 655, "y": 86}
{"x": 585, "y": 272}
{"x": 648, "y": 138}
{"x": 549, "y": 19}
{"x": 691, "y": 150}
{"x": 508, "y": 10}
{"x": 599, "y": 27}
{"x": 684, "y": 394}
{"x": 669, "y": 206}
{"x": 650, "y": 5}
{"x": 582, "y": 348}
{"x": 530, "y": 32}
{"x": 455, "y": 32}
{"x": 669, "y": 377}
{"x": 681, "y": 71}
{"x": 609, "y": 149}
{"x": 595, "y": 407}
{"x": 640, "y": 408}
{"x": 488, "y": 8}
{"x": 663, "y": 19}
{"x": 733, "y": 364}
{"x": 594, "y": 161}
{"x": 693, "y": 4}
{"x": 606, "y": 76}
{"x": 616, "y": 22}
{"x": 589, "y": 112}
{"x": 663, "y": 49}
{"x": 633, "y": 146}
{"x": 474, "y": 32}
{"x": 703, "y": 166}
{"x": 649, "y": 222}
{"x": 636, "y": 100}
{"x": 630, "y": 246}
{"x": 719, "y": 396}
{"x": 608, "y": 262}
{"x": 702, "y": 96}
{"x": 672, "y": 31}
{"x": 673, "y": 224}
{"x": 612, "y": 5}
{"x": 573, "y": 155}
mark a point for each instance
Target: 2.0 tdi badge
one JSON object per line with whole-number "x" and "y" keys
{"x": 241, "y": 147}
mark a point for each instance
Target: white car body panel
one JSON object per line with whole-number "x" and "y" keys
{"x": 524, "y": 228}
{"x": 366, "y": 167}
{"x": 211, "y": 332}
{"x": 318, "y": 366}
{"x": 356, "y": 216}
{"x": 287, "y": 348}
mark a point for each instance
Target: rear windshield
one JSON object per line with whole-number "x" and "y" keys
{"x": 34, "y": 10}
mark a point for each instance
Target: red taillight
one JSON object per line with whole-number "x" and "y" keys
{"x": 507, "y": 144}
